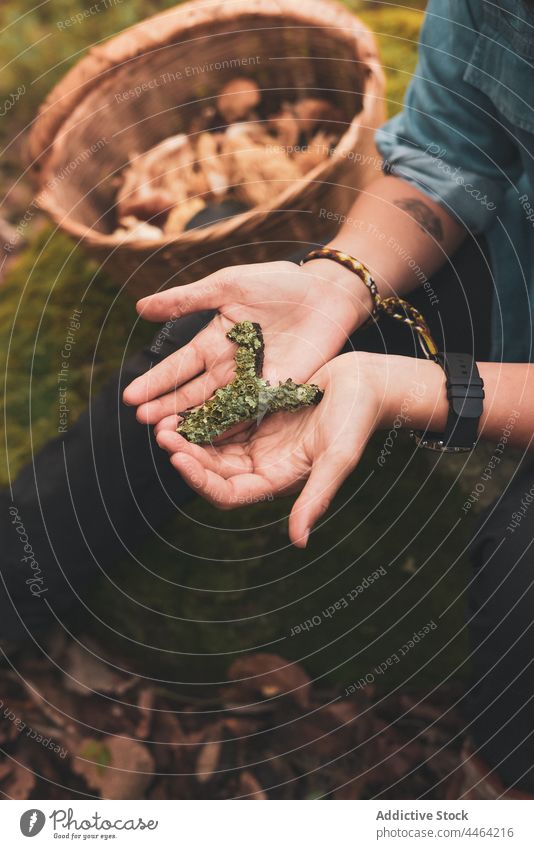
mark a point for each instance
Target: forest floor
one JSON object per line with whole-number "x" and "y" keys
{"x": 66, "y": 737}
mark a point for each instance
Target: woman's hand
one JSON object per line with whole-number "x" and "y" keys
{"x": 313, "y": 450}
{"x": 306, "y": 315}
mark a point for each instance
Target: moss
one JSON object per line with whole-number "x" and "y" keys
{"x": 50, "y": 280}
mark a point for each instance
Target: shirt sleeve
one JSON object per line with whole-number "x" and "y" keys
{"x": 449, "y": 140}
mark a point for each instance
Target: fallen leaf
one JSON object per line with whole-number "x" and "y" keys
{"x": 20, "y": 782}
{"x": 119, "y": 768}
{"x": 145, "y": 703}
{"x": 87, "y": 674}
{"x": 250, "y": 787}
{"x": 208, "y": 760}
{"x": 5, "y": 769}
{"x": 266, "y": 676}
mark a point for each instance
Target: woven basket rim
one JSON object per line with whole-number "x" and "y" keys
{"x": 219, "y": 229}
{"x": 156, "y": 32}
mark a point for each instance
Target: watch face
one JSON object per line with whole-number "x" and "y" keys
{"x": 438, "y": 445}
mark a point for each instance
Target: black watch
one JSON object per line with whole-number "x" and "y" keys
{"x": 465, "y": 393}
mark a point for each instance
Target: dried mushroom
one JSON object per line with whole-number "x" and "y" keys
{"x": 315, "y": 153}
{"x": 311, "y": 111}
{"x": 237, "y": 99}
{"x": 152, "y": 183}
{"x": 213, "y": 165}
{"x": 182, "y": 181}
{"x": 285, "y": 127}
{"x": 255, "y": 170}
{"x": 182, "y": 214}
{"x": 132, "y": 228}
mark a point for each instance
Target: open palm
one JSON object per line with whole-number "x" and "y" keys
{"x": 305, "y": 322}
{"x": 314, "y": 450}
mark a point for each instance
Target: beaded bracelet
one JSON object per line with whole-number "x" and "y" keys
{"x": 353, "y": 265}
{"x": 390, "y": 306}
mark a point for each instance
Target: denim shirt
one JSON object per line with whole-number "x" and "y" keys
{"x": 465, "y": 137}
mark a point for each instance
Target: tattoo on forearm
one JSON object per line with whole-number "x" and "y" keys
{"x": 423, "y": 216}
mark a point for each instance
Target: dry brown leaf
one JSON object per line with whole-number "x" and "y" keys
{"x": 50, "y": 700}
{"x": 19, "y": 782}
{"x": 117, "y": 767}
{"x": 145, "y": 703}
{"x": 249, "y": 786}
{"x": 208, "y": 760}
{"x": 313, "y": 744}
{"x": 144, "y": 201}
{"x": 5, "y": 769}
{"x": 168, "y": 728}
{"x": 86, "y": 673}
{"x": 241, "y": 726}
{"x": 260, "y": 676}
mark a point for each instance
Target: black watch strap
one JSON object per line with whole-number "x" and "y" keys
{"x": 465, "y": 393}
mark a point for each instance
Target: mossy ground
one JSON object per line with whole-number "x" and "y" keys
{"x": 46, "y": 284}
{"x": 227, "y": 583}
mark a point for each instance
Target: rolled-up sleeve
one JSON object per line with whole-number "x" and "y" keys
{"x": 449, "y": 140}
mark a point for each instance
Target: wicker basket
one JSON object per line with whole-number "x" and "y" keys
{"x": 91, "y": 123}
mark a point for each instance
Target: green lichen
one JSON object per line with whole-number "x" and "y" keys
{"x": 248, "y": 397}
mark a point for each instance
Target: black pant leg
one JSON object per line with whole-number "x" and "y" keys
{"x": 500, "y": 702}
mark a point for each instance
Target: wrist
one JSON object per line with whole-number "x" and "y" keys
{"x": 341, "y": 284}
{"x": 410, "y": 391}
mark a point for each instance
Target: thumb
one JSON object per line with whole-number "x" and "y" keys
{"x": 327, "y": 474}
{"x": 211, "y": 292}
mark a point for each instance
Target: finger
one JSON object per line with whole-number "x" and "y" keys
{"x": 175, "y": 369}
{"x": 168, "y": 423}
{"x": 224, "y": 464}
{"x": 327, "y": 475}
{"x": 209, "y": 293}
{"x": 225, "y": 494}
{"x": 229, "y": 441}
{"x": 192, "y": 394}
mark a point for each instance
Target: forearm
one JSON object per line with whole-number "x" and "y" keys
{"x": 399, "y": 233}
{"x": 417, "y": 388}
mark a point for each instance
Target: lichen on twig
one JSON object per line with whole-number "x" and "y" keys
{"x": 248, "y": 397}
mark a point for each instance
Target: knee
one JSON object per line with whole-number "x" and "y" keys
{"x": 501, "y": 592}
